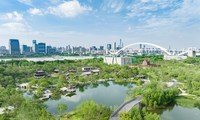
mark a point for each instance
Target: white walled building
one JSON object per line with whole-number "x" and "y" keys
{"x": 192, "y": 52}
{"x": 117, "y": 60}
{"x": 175, "y": 57}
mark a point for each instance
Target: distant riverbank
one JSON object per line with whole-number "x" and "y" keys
{"x": 53, "y": 58}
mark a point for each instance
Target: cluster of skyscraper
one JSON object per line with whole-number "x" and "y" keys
{"x": 14, "y": 47}
{"x": 41, "y": 48}
{"x": 115, "y": 47}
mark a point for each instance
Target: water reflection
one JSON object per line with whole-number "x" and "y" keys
{"x": 106, "y": 84}
{"x": 181, "y": 113}
{"x": 107, "y": 93}
{"x": 176, "y": 112}
{"x": 162, "y": 110}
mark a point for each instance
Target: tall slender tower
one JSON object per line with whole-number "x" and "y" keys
{"x": 114, "y": 46}
{"x": 140, "y": 46}
{"x": 34, "y": 47}
{"x": 120, "y": 43}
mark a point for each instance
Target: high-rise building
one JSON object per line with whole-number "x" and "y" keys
{"x": 140, "y": 46}
{"x": 114, "y": 46}
{"x": 144, "y": 46}
{"x": 26, "y": 49}
{"x": 93, "y": 50}
{"x": 14, "y": 48}
{"x": 51, "y": 50}
{"x": 79, "y": 50}
{"x": 34, "y": 42}
{"x": 68, "y": 49}
{"x": 101, "y": 48}
{"x": 120, "y": 43}
{"x": 109, "y": 46}
{"x": 3, "y": 50}
{"x": 61, "y": 50}
{"x": 41, "y": 48}
{"x": 34, "y": 47}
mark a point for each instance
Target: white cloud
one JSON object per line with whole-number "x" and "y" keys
{"x": 171, "y": 24}
{"x": 186, "y": 14}
{"x": 156, "y": 14}
{"x": 189, "y": 10}
{"x": 69, "y": 9}
{"x": 14, "y": 16}
{"x": 14, "y": 22}
{"x": 16, "y": 27}
{"x": 157, "y": 23}
{"x": 114, "y": 6}
{"x": 27, "y": 2}
{"x": 145, "y": 7}
{"x": 35, "y": 11}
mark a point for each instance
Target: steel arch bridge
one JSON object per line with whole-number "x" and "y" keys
{"x": 183, "y": 53}
{"x": 143, "y": 43}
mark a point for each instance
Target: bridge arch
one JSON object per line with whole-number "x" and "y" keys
{"x": 144, "y": 43}
{"x": 183, "y": 53}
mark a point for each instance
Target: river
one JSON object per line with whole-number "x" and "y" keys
{"x": 36, "y": 59}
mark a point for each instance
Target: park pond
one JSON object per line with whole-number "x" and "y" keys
{"x": 112, "y": 95}
{"x": 181, "y": 113}
{"x": 108, "y": 93}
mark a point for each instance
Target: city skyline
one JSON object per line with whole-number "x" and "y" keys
{"x": 41, "y": 48}
{"x": 87, "y": 23}
{"x": 118, "y": 44}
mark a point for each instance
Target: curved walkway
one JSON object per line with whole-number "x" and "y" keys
{"x": 183, "y": 93}
{"x": 125, "y": 107}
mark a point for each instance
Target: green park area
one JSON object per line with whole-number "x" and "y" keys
{"x": 172, "y": 82}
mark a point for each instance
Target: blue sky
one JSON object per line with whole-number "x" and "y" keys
{"x": 98, "y": 22}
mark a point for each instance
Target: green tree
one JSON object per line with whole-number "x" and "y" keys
{"x": 61, "y": 108}
{"x": 89, "y": 110}
{"x": 124, "y": 116}
{"x": 33, "y": 110}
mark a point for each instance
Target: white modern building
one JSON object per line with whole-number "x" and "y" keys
{"x": 175, "y": 57}
{"x": 117, "y": 60}
{"x": 191, "y": 52}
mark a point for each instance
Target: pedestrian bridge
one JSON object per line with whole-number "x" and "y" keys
{"x": 164, "y": 50}
{"x": 126, "y": 107}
